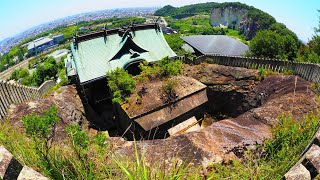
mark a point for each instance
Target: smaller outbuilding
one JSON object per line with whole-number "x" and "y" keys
{"x": 151, "y": 114}
{"x": 214, "y": 44}
{"x": 58, "y": 54}
{"x": 44, "y": 43}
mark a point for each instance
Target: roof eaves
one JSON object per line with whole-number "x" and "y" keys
{"x": 190, "y": 44}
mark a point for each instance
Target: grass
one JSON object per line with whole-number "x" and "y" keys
{"x": 263, "y": 73}
{"x": 81, "y": 156}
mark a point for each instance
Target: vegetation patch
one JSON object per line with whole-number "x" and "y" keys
{"x": 162, "y": 69}
{"x": 81, "y": 157}
{"x": 121, "y": 84}
{"x": 168, "y": 89}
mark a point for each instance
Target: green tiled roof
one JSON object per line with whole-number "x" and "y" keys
{"x": 95, "y": 57}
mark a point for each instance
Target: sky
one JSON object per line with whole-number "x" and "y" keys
{"x": 300, "y": 16}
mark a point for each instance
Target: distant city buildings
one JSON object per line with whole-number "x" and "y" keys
{"x": 44, "y": 43}
{"x": 8, "y": 43}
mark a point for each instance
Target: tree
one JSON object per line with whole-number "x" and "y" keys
{"x": 19, "y": 73}
{"x": 174, "y": 41}
{"x": 311, "y": 51}
{"x": 290, "y": 47}
{"x": 267, "y": 43}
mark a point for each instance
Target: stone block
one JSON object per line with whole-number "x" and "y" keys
{"x": 9, "y": 167}
{"x": 298, "y": 172}
{"x": 313, "y": 155}
{"x": 30, "y": 174}
{"x": 189, "y": 125}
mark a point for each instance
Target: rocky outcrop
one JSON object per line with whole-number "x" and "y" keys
{"x": 228, "y": 16}
{"x": 230, "y": 89}
{"x": 70, "y": 109}
{"x": 247, "y": 20}
{"x": 226, "y": 139}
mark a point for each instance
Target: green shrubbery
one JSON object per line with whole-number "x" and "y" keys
{"x": 275, "y": 44}
{"x": 161, "y": 69}
{"x": 40, "y": 129}
{"x": 19, "y": 73}
{"x": 121, "y": 84}
{"x": 46, "y": 70}
{"x": 70, "y": 161}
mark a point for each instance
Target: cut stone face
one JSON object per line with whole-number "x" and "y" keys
{"x": 313, "y": 155}
{"x": 298, "y": 172}
{"x": 5, "y": 158}
{"x": 30, "y": 174}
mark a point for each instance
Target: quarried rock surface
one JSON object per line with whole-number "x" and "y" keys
{"x": 70, "y": 109}
{"x": 223, "y": 140}
{"x": 230, "y": 89}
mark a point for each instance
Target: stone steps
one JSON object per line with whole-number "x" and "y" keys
{"x": 309, "y": 166}
{"x": 10, "y": 168}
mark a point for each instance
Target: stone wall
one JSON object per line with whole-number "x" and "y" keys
{"x": 10, "y": 168}
{"x": 14, "y": 94}
{"x": 308, "y": 71}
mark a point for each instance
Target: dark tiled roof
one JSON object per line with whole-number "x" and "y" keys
{"x": 216, "y": 44}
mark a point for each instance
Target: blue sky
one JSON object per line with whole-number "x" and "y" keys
{"x": 300, "y": 16}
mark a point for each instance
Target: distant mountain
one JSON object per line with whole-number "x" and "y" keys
{"x": 242, "y": 17}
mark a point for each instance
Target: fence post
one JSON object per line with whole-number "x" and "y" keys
{"x": 4, "y": 95}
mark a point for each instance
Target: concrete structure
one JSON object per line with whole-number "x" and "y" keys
{"x": 58, "y": 54}
{"x": 189, "y": 125}
{"x": 155, "y": 115}
{"x": 215, "y": 44}
{"x": 44, "y": 43}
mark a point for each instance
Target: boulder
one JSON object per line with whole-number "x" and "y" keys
{"x": 9, "y": 166}
{"x": 30, "y": 174}
{"x": 298, "y": 172}
{"x": 313, "y": 156}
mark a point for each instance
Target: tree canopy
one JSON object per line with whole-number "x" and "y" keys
{"x": 276, "y": 42}
{"x": 311, "y": 51}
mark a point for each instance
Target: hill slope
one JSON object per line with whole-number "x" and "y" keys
{"x": 247, "y": 19}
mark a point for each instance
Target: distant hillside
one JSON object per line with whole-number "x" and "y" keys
{"x": 247, "y": 19}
